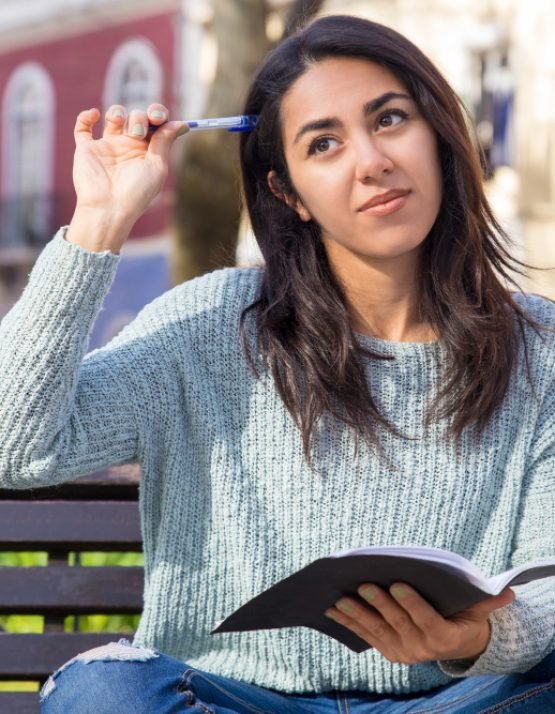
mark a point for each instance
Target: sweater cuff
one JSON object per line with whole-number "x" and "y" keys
{"x": 79, "y": 276}
{"x": 521, "y": 635}
{"x": 61, "y": 236}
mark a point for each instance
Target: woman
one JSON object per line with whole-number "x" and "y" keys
{"x": 375, "y": 383}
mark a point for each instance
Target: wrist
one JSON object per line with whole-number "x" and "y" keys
{"x": 98, "y": 230}
{"x": 481, "y": 643}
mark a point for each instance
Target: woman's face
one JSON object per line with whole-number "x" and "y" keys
{"x": 347, "y": 140}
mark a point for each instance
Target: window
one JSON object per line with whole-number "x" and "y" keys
{"x": 134, "y": 77}
{"x": 27, "y": 157}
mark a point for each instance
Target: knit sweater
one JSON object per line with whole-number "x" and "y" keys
{"x": 229, "y": 506}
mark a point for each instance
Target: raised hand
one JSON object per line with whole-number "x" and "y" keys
{"x": 117, "y": 176}
{"x": 405, "y": 628}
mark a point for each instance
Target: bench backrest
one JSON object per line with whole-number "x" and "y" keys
{"x": 93, "y": 513}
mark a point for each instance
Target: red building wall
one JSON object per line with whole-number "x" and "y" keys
{"x": 77, "y": 66}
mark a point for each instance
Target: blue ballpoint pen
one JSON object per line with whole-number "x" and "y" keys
{"x": 238, "y": 123}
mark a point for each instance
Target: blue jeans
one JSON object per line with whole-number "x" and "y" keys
{"x": 121, "y": 678}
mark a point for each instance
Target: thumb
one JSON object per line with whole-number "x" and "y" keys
{"x": 482, "y": 609}
{"x": 162, "y": 139}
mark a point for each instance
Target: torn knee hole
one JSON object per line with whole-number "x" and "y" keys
{"x": 112, "y": 652}
{"x": 117, "y": 651}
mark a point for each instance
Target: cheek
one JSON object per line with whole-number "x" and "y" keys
{"x": 426, "y": 171}
{"x": 323, "y": 191}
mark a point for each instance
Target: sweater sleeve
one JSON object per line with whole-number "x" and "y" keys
{"x": 523, "y": 633}
{"x": 61, "y": 414}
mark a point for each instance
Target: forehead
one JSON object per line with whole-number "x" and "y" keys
{"x": 334, "y": 85}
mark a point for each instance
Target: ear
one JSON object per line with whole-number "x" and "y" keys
{"x": 291, "y": 200}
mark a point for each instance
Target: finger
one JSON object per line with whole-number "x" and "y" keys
{"x": 425, "y": 617}
{"x": 157, "y": 114}
{"x": 114, "y": 120}
{"x": 84, "y": 125}
{"x": 395, "y": 615}
{"x": 361, "y": 619}
{"x": 137, "y": 125}
{"x": 374, "y": 638}
{"x": 163, "y": 138}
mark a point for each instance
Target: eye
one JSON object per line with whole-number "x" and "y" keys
{"x": 321, "y": 145}
{"x": 399, "y": 113}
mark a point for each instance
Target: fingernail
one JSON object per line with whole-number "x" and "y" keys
{"x": 399, "y": 591}
{"x": 138, "y": 130}
{"x": 157, "y": 114}
{"x": 331, "y": 615}
{"x": 344, "y": 607}
{"x": 368, "y": 593}
{"x": 118, "y": 113}
{"x": 183, "y": 130}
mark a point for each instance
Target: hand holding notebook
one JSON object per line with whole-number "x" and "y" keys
{"x": 449, "y": 582}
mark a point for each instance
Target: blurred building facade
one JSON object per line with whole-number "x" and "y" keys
{"x": 56, "y": 59}
{"x": 59, "y": 57}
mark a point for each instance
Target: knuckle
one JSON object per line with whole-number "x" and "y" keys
{"x": 377, "y": 631}
{"x": 402, "y": 623}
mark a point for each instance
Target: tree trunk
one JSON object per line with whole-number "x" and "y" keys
{"x": 207, "y": 203}
{"x": 207, "y": 186}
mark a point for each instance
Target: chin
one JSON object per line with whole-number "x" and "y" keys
{"x": 386, "y": 245}
{"x": 387, "y": 250}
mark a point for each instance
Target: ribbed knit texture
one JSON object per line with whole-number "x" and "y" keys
{"x": 228, "y": 504}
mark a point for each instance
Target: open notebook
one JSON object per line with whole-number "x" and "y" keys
{"x": 449, "y": 582}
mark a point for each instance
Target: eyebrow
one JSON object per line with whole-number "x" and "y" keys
{"x": 334, "y": 123}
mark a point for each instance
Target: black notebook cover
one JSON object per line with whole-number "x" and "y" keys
{"x": 302, "y": 598}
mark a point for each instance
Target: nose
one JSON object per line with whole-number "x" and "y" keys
{"x": 372, "y": 161}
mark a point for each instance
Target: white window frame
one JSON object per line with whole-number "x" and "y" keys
{"x": 139, "y": 50}
{"x": 26, "y": 211}
{"x": 28, "y": 73}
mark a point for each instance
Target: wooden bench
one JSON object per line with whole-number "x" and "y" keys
{"x": 93, "y": 513}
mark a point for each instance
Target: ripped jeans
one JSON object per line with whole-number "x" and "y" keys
{"x": 121, "y": 678}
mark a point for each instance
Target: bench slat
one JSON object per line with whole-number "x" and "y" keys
{"x": 59, "y": 590}
{"x": 73, "y": 525}
{"x": 35, "y": 657}
{"x": 19, "y": 702}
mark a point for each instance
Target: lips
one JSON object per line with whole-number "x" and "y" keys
{"x": 384, "y": 198}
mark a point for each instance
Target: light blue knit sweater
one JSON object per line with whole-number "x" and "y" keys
{"x": 228, "y": 504}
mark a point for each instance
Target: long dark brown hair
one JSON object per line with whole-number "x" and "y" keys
{"x": 302, "y": 317}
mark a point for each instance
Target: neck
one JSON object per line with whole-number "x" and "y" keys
{"x": 383, "y": 294}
